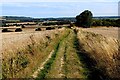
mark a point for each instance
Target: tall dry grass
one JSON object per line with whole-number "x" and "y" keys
{"x": 104, "y": 51}
{"x": 22, "y": 53}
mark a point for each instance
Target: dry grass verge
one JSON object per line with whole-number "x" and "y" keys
{"x": 103, "y": 51}
{"x": 21, "y": 59}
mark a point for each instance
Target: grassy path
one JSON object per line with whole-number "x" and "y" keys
{"x": 57, "y": 67}
{"x": 67, "y": 63}
{"x": 42, "y": 65}
{"x": 73, "y": 67}
{"x": 48, "y": 63}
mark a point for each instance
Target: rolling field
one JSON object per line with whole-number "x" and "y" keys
{"x": 107, "y": 32}
{"x": 102, "y": 51}
{"x": 83, "y": 53}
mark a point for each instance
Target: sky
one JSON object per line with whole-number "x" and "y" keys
{"x": 58, "y": 8}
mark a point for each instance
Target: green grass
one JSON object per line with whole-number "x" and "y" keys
{"x": 72, "y": 67}
{"x": 47, "y": 66}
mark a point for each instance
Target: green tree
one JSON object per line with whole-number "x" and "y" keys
{"x": 97, "y": 22}
{"x": 118, "y": 22}
{"x": 84, "y": 19}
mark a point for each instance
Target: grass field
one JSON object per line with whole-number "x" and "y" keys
{"x": 105, "y": 31}
{"x": 29, "y": 48}
{"x": 84, "y": 53}
{"x": 102, "y": 46}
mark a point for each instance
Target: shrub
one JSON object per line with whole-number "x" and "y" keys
{"x": 22, "y": 26}
{"x": 59, "y": 27}
{"x": 5, "y": 30}
{"x": 37, "y": 29}
{"x": 18, "y": 30}
{"x": 50, "y": 28}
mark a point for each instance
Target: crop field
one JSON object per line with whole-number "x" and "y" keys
{"x": 105, "y": 31}
{"x": 102, "y": 50}
{"x": 64, "y": 40}
{"x": 81, "y": 53}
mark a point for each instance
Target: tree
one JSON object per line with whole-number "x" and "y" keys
{"x": 97, "y": 22}
{"x": 22, "y": 26}
{"x": 118, "y": 22}
{"x": 84, "y": 19}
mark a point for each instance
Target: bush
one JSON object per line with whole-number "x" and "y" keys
{"x": 118, "y": 22}
{"x": 22, "y": 26}
{"x": 106, "y": 22}
{"x": 59, "y": 27}
{"x": 37, "y": 29}
{"x": 5, "y": 30}
{"x": 18, "y": 30}
{"x": 50, "y": 28}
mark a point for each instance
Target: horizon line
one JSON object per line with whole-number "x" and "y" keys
{"x": 58, "y": 17}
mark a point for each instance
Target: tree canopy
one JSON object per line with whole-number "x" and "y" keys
{"x": 84, "y": 19}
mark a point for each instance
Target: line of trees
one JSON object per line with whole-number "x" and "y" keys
{"x": 106, "y": 22}
{"x": 85, "y": 20}
{"x": 56, "y": 23}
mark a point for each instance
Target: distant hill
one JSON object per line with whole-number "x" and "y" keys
{"x": 26, "y": 19}
{"x": 17, "y": 18}
{"x": 107, "y": 17}
{"x": 72, "y": 19}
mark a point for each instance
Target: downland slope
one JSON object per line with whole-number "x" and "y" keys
{"x": 64, "y": 53}
{"x": 23, "y": 53}
{"x": 105, "y": 31}
{"x": 103, "y": 52}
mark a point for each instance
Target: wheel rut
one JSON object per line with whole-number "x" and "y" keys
{"x": 43, "y": 70}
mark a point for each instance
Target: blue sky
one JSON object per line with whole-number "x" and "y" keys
{"x": 59, "y": 9}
